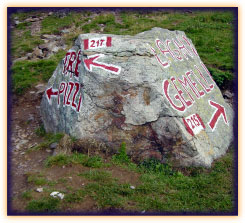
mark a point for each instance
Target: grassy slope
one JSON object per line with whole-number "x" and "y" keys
{"x": 159, "y": 188}
{"x": 210, "y": 31}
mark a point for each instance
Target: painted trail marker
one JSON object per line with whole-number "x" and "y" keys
{"x": 91, "y": 62}
{"x": 151, "y": 91}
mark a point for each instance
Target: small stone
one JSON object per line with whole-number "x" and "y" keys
{"x": 65, "y": 31}
{"x": 48, "y": 150}
{"x": 53, "y": 145}
{"x": 142, "y": 212}
{"x": 55, "y": 49}
{"x": 40, "y": 189}
{"x": 70, "y": 178}
{"x": 227, "y": 94}
{"x": 63, "y": 167}
{"x": 41, "y": 89}
{"x": 57, "y": 194}
{"x": 132, "y": 187}
{"x": 32, "y": 92}
{"x": 29, "y": 56}
{"x": 38, "y": 53}
{"x": 23, "y": 153}
{"x": 31, "y": 118}
{"x": 17, "y": 22}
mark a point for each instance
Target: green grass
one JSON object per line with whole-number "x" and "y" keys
{"x": 121, "y": 157}
{"x": 36, "y": 179}
{"x": 98, "y": 176}
{"x": 210, "y": 31}
{"x": 75, "y": 196}
{"x": 159, "y": 187}
{"x": 49, "y": 138}
{"x": 26, "y": 195}
{"x": 43, "y": 205}
{"x": 75, "y": 158}
{"x": 26, "y": 73}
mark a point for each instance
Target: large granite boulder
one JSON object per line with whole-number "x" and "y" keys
{"x": 151, "y": 91}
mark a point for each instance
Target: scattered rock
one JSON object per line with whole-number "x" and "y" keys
{"x": 228, "y": 94}
{"x": 30, "y": 119}
{"x": 21, "y": 143}
{"x": 37, "y": 53}
{"x": 40, "y": 189}
{"x": 20, "y": 59}
{"x": 40, "y": 88}
{"x": 65, "y": 31}
{"x": 29, "y": 56}
{"x": 51, "y": 37}
{"x": 53, "y": 145}
{"x": 56, "y": 194}
{"x": 32, "y": 20}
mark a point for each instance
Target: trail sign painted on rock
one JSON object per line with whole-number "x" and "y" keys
{"x": 91, "y": 62}
{"x": 96, "y": 43}
{"x": 151, "y": 91}
{"x": 220, "y": 111}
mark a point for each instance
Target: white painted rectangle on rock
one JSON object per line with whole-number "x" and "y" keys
{"x": 95, "y": 43}
{"x": 193, "y": 124}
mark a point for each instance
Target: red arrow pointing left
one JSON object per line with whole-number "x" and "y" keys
{"x": 220, "y": 111}
{"x": 51, "y": 92}
{"x": 91, "y": 62}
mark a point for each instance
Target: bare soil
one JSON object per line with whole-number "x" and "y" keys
{"x": 25, "y": 119}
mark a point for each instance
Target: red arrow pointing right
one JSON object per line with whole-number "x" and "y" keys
{"x": 216, "y": 116}
{"x": 51, "y": 92}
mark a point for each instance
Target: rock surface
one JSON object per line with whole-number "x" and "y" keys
{"x": 151, "y": 91}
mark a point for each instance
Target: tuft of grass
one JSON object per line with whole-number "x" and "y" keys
{"x": 48, "y": 139}
{"x": 98, "y": 176}
{"x": 75, "y": 158}
{"x": 106, "y": 195}
{"x": 54, "y": 24}
{"x": 94, "y": 162}
{"x": 36, "y": 179}
{"x": 44, "y": 205}
{"x": 75, "y": 196}
{"x": 59, "y": 160}
{"x": 26, "y": 195}
{"x": 40, "y": 131}
{"x": 121, "y": 157}
{"x": 153, "y": 165}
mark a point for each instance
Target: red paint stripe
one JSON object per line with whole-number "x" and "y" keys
{"x": 85, "y": 42}
{"x": 188, "y": 127}
{"x": 200, "y": 120}
{"x": 108, "y": 41}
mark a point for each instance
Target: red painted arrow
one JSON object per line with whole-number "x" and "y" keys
{"x": 92, "y": 61}
{"x": 218, "y": 113}
{"x": 51, "y": 92}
